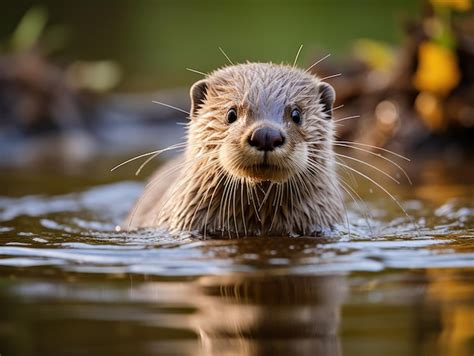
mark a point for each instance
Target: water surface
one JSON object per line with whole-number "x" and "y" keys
{"x": 388, "y": 284}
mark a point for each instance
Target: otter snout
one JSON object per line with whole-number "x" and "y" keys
{"x": 266, "y": 138}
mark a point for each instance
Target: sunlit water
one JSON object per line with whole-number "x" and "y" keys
{"x": 387, "y": 284}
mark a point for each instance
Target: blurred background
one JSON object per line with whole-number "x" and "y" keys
{"x": 85, "y": 75}
{"x": 152, "y": 42}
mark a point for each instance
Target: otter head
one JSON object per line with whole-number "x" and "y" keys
{"x": 262, "y": 120}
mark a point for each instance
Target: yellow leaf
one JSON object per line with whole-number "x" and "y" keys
{"x": 437, "y": 71}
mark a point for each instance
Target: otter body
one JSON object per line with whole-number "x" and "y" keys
{"x": 258, "y": 161}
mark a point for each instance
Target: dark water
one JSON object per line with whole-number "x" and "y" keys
{"x": 71, "y": 284}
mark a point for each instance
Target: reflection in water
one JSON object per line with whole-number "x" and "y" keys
{"x": 450, "y": 307}
{"x": 397, "y": 313}
{"x": 70, "y": 283}
{"x": 270, "y": 315}
{"x": 242, "y": 314}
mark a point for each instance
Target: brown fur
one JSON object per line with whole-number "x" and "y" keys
{"x": 219, "y": 186}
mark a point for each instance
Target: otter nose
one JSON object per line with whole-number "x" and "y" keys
{"x": 266, "y": 139}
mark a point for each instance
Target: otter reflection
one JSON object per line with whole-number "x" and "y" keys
{"x": 256, "y": 315}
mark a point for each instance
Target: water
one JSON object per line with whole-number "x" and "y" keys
{"x": 71, "y": 284}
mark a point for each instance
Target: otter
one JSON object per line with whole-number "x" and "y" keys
{"x": 258, "y": 160}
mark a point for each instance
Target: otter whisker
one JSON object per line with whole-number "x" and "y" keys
{"x": 297, "y": 56}
{"x": 291, "y": 193}
{"x": 204, "y": 197}
{"x": 184, "y": 163}
{"x": 227, "y": 206}
{"x": 351, "y": 176}
{"x": 330, "y": 77}
{"x": 230, "y": 206}
{"x": 242, "y": 180}
{"x": 348, "y": 189}
{"x": 171, "y": 107}
{"x": 317, "y": 62}
{"x": 277, "y": 194}
{"x": 314, "y": 167}
{"x": 189, "y": 162}
{"x": 283, "y": 189}
{"x": 383, "y": 189}
{"x": 247, "y": 190}
{"x": 336, "y": 143}
{"x": 306, "y": 188}
{"x": 221, "y": 214}
{"x": 186, "y": 218}
{"x": 267, "y": 194}
{"x": 337, "y": 107}
{"x": 148, "y": 160}
{"x": 300, "y": 185}
{"x": 163, "y": 174}
{"x": 375, "y": 147}
{"x": 152, "y": 153}
{"x": 225, "y": 55}
{"x": 178, "y": 186}
{"x": 298, "y": 190}
{"x": 197, "y": 72}
{"x": 369, "y": 165}
{"x": 255, "y": 203}
{"x": 234, "y": 189}
{"x": 242, "y": 205}
{"x": 258, "y": 188}
{"x": 157, "y": 153}
{"x": 148, "y": 187}
{"x": 347, "y": 118}
{"x": 220, "y": 176}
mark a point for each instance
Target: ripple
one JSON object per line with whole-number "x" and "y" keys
{"x": 75, "y": 233}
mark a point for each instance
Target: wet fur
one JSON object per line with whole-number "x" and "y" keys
{"x": 222, "y": 186}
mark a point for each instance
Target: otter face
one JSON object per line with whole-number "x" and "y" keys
{"x": 264, "y": 120}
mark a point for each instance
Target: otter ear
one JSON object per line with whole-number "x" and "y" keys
{"x": 198, "y": 94}
{"x": 327, "y": 96}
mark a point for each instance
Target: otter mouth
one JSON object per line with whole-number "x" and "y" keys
{"x": 260, "y": 167}
{"x": 264, "y": 167}
{"x": 265, "y": 171}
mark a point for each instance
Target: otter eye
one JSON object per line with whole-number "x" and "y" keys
{"x": 296, "y": 116}
{"x": 231, "y": 115}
